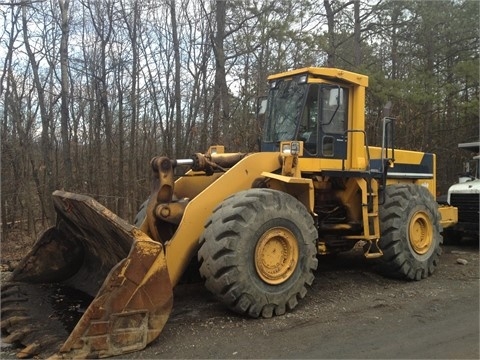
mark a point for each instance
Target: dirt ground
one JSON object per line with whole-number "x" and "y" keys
{"x": 349, "y": 312}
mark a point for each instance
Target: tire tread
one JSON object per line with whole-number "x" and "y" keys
{"x": 223, "y": 236}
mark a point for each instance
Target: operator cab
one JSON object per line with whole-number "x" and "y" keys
{"x": 471, "y": 167}
{"x": 313, "y": 112}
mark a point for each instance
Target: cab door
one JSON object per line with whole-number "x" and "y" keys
{"x": 333, "y": 121}
{"x": 324, "y": 121}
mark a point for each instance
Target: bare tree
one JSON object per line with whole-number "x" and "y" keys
{"x": 45, "y": 186}
{"x": 331, "y": 13}
{"x": 177, "y": 95}
{"x": 64, "y": 92}
{"x": 220, "y": 90}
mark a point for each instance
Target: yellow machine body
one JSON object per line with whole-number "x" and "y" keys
{"x": 130, "y": 271}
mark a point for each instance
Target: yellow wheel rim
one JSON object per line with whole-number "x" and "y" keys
{"x": 276, "y": 255}
{"x": 420, "y": 233}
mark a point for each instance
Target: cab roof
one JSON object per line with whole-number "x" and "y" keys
{"x": 327, "y": 73}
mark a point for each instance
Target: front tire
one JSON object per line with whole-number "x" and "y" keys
{"x": 410, "y": 232}
{"x": 258, "y": 252}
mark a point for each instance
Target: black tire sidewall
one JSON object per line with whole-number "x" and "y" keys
{"x": 228, "y": 245}
{"x": 402, "y": 201}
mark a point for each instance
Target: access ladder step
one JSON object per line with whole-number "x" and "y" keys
{"x": 361, "y": 237}
{"x": 373, "y": 250}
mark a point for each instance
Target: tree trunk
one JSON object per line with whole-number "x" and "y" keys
{"x": 330, "y": 33}
{"x": 177, "y": 94}
{"x": 220, "y": 94}
{"x": 45, "y": 190}
{"x": 132, "y": 164}
{"x": 65, "y": 88}
{"x": 357, "y": 43}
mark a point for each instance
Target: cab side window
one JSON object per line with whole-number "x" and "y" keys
{"x": 334, "y": 110}
{"x": 308, "y": 129}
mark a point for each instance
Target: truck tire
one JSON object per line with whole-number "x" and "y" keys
{"x": 258, "y": 252}
{"x": 410, "y": 232}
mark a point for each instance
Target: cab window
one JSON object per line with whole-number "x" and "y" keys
{"x": 334, "y": 109}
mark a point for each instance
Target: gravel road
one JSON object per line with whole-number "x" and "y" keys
{"x": 349, "y": 312}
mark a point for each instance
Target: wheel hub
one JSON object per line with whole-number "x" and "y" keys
{"x": 420, "y": 233}
{"x": 276, "y": 255}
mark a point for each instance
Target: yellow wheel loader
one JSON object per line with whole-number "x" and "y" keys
{"x": 96, "y": 286}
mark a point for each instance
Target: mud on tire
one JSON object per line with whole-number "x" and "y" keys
{"x": 258, "y": 252}
{"x": 410, "y": 232}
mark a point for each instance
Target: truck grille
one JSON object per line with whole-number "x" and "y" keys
{"x": 468, "y": 207}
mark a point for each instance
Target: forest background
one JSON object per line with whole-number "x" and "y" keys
{"x": 91, "y": 90}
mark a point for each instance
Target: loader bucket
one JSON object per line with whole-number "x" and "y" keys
{"x": 91, "y": 253}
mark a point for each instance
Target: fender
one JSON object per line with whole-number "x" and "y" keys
{"x": 300, "y": 188}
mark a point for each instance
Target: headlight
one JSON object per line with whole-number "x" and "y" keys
{"x": 294, "y": 148}
{"x": 290, "y": 148}
{"x": 286, "y": 148}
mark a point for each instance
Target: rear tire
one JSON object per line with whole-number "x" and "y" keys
{"x": 410, "y": 232}
{"x": 258, "y": 252}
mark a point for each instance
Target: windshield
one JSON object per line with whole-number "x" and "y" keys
{"x": 471, "y": 168}
{"x": 285, "y": 104}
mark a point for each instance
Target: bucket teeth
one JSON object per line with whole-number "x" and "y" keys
{"x": 14, "y": 321}
{"x": 16, "y": 336}
{"x": 8, "y": 289}
{"x": 7, "y": 285}
{"x": 11, "y": 300}
{"x": 27, "y": 320}
{"x": 38, "y": 346}
{"x": 12, "y": 294}
{"x": 12, "y": 310}
{"x": 92, "y": 286}
{"x": 29, "y": 351}
{"x": 34, "y": 345}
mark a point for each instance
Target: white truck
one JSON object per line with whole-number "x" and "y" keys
{"x": 465, "y": 195}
